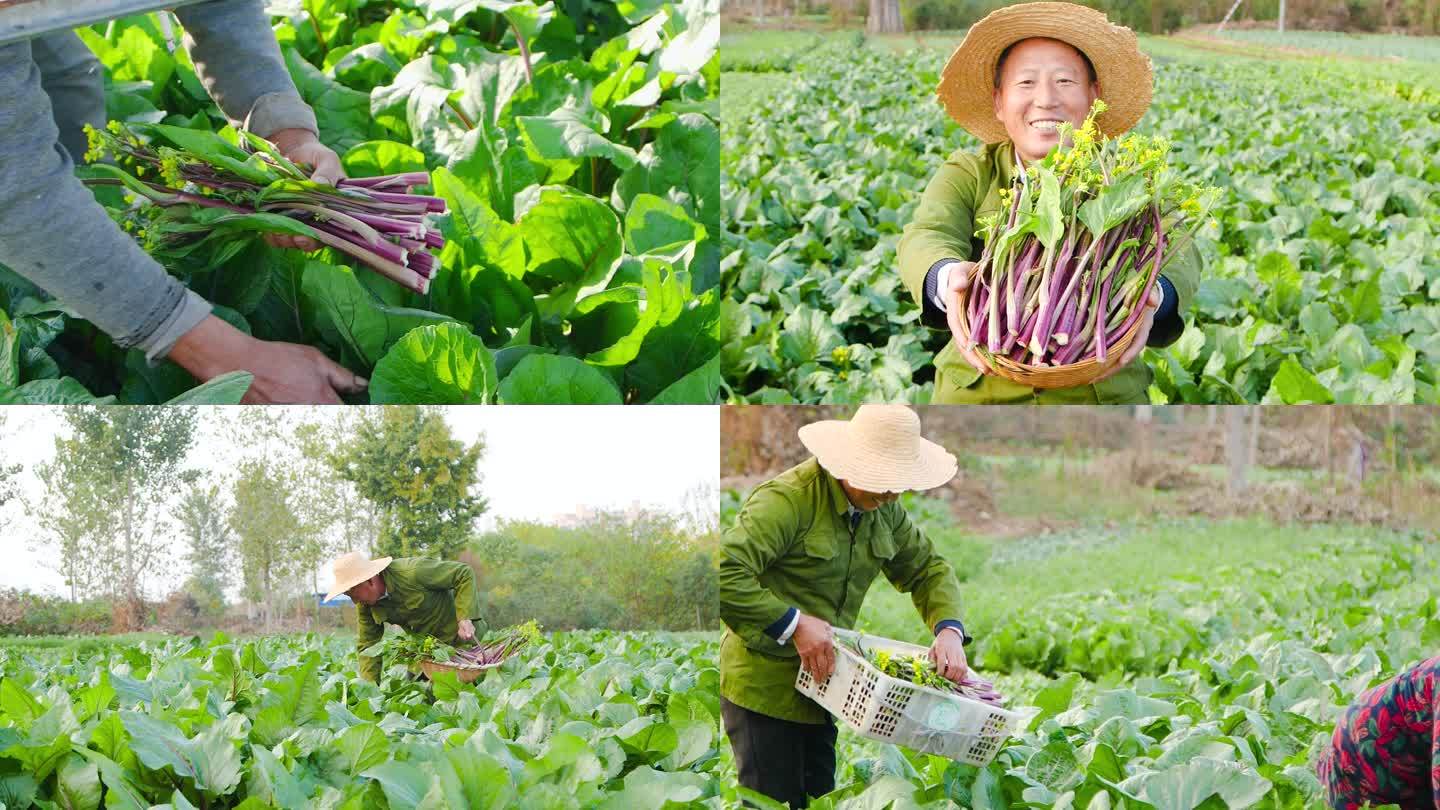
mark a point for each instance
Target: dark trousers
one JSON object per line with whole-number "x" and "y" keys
{"x": 787, "y": 761}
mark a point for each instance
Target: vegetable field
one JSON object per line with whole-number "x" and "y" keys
{"x": 1199, "y": 677}
{"x": 1318, "y": 280}
{"x": 585, "y": 719}
{"x": 573, "y": 145}
{"x": 1384, "y": 47}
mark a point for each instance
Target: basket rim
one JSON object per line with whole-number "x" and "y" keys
{"x": 860, "y": 659}
{"x": 1011, "y": 369}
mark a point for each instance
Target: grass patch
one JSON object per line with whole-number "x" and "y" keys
{"x": 1030, "y": 571}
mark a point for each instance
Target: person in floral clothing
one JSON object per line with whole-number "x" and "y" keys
{"x": 1386, "y": 747}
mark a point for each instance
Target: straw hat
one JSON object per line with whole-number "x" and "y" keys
{"x": 879, "y": 450}
{"x": 353, "y": 568}
{"x": 967, "y": 84}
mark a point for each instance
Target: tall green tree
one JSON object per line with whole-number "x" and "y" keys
{"x": 70, "y": 515}
{"x": 9, "y": 474}
{"x": 126, "y": 463}
{"x": 266, "y": 526}
{"x": 208, "y": 540}
{"x": 423, "y": 481}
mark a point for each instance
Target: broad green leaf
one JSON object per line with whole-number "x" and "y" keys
{"x": 271, "y": 782}
{"x": 655, "y": 225}
{"x": 18, "y": 705}
{"x": 376, "y": 158}
{"x": 647, "y": 787}
{"x": 551, "y": 379}
{"x": 1294, "y": 385}
{"x": 227, "y": 389}
{"x": 680, "y": 167}
{"x": 159, "y": 744}
{"x": 698, "y": 387}
{"x": 352, "y": 320}
{"x": 405, "y": 783}
{"x": 1186, "y": 787}
{"x": 77, "y": 784}
{"x": 343, "y": 114}
{"x": 572, "y": 239}
{"x": 361, "y": 747}
{"x": 442, "y": 364}
{"x": 567, "y": 135}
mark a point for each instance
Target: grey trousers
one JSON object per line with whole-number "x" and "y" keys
{"x": 74, "y": 80}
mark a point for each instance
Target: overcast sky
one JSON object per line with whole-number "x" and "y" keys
{"x": 540, "y": 463}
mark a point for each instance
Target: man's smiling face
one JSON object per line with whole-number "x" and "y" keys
{"x": 1042, "y": 82}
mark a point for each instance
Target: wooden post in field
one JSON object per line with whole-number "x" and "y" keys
{"x": 1228, "y": 14}
{"x": 1235, "y": 446}
{"x": 884, "y": 17}
{"x": 1254, "y": 435}
{"x": 1281, "y": 26}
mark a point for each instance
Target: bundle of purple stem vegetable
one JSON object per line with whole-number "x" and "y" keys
{"x": 1078, "y": 248}
{"x": 376, "y": 220}
{"x": 510, "y": 642}
{"x": 920, "y": 671}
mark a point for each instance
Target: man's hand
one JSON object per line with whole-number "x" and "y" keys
{"x": 466, "y": 630}
{"x": 1142, "y": 336}
{"x": 814, "y": 641}
{"x": 948, "y": 655}
{"x": 959, "y": 281}
{"x": 284, "y": 372}
{"x": 301, "y": 147}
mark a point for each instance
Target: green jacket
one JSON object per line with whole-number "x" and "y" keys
{"x": 422, "y": 596}
{"x": 966, "y": 188}
{"x": 791, "y": 546}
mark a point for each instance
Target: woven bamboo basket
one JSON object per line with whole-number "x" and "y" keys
{"x": 1071, "y": 375}
{"x": 465, "y": 674}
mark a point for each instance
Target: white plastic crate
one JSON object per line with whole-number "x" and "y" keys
{"x": 885, "y": 708}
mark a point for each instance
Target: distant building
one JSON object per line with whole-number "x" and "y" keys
{"x": 340, "y": 601}
{"x": 586, "y": 514}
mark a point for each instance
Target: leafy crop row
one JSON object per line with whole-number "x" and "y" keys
{"x": 593, "y": 719}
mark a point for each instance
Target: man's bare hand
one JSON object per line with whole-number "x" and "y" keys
{"x": 958, "y": 282}
{"x": 284, "y": 372}
{"x": 466, "y": 630}
{"x": 301, "y": 147}
{"x": 814, "y": 640}
{"x": 948, "y": 655}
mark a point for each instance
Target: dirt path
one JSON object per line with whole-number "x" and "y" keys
{"x": 1204, "y": 38}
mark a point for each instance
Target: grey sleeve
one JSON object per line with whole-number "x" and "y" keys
{"x": 54, "y": 233}
{"x": 239, "y": 62}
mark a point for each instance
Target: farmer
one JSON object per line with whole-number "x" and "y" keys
{"x": 1384, "y": 748}
{"x": 798, "y": 559}
{"x": 53, "y": 233}
{"x": 1019, "y": 72}
{"x": 420, "y": 595}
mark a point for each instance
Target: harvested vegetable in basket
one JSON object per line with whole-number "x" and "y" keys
{"x": 1072, "y": 258}
{"x": 202, "y": 188}
{"x": 919, "y": 670}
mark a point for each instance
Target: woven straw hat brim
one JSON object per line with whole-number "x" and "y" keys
{"x": 1125, "y": 76}
{"x": 353, "y": 578}
{"x": 833, "y": 444}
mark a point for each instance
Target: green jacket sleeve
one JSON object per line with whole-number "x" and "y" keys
{"x": 917, "y": 570}
{"x": 439, "y": 575}
{"x": 763, "y": 531}
{"x": 368, "y": 632}
{"x": 943, "y": 223}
